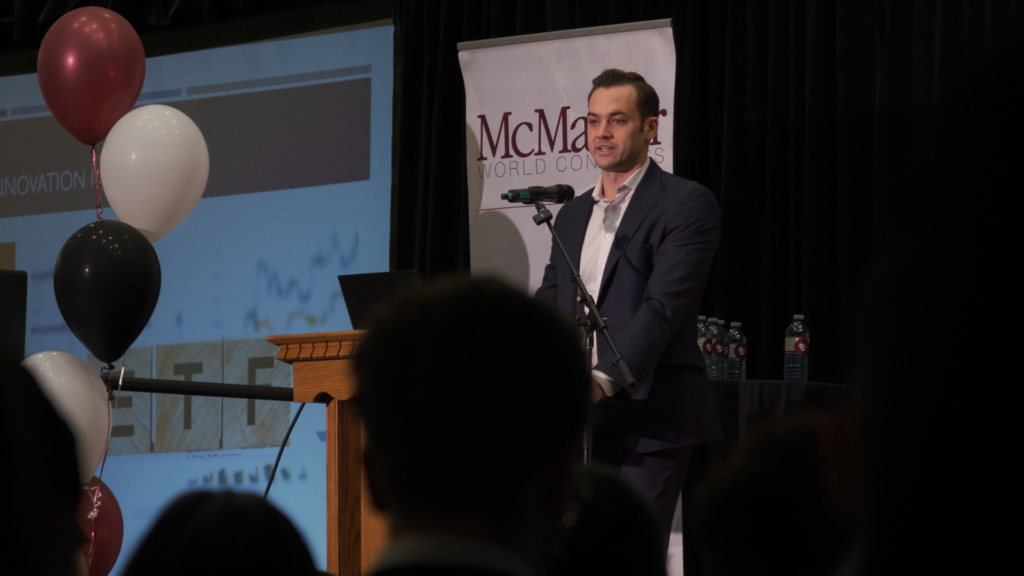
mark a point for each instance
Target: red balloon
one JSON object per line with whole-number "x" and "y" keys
{"x": 91, "y": 67}
{"x": 102, "y": 522}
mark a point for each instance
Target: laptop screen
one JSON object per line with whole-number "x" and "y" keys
{"x": 364, "y": 291}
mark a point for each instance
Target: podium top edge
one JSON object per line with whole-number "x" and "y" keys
{"x": 342, "y": 336}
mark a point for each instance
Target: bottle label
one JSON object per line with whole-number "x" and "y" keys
{"x": 705, "y": 345}
{"x": 738, "y": 351}
{"x": 721, "y": 349}
{"x": 802, "y": 346}
{"x": 799, "y": 345}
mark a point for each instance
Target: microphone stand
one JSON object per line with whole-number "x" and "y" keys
{"x": 587, "y": 331}
{"x": 543, "y": 216}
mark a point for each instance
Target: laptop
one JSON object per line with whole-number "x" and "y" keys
{"x": 364, "y": 291}
{"x": 13, "y": 303}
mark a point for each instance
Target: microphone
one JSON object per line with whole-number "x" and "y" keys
{"x": 557, "y": 194}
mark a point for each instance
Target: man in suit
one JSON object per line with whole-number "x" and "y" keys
{"x": 474, "y": 464}
{"x": 643, "y": 241}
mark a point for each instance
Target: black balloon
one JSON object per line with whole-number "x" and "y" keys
{"x": 107, "y": 282}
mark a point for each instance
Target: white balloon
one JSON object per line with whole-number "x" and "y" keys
{"x": 154, "y": 168}
{"x": 80, "y": 398}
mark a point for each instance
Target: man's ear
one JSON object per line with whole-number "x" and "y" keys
{"x": 651, "y": 128}
{"x": 375, "y": 481}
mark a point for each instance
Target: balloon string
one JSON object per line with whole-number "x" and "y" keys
{"x": 92, "y": 523}
{"x": 96, "y": 183}
{"x": 96, "y": 491}
{"x": 110, "y": 421}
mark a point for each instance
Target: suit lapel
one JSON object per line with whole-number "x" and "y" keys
{"x": 644, "y": 198}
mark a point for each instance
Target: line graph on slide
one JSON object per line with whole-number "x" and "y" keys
{"x": 309, "y": 300}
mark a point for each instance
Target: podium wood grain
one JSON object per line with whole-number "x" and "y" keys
{"x": 321, "y": 371}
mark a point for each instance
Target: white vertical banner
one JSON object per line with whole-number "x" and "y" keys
{"x": 526, "y": 108}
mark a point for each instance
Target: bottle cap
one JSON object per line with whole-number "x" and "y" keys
{"x": 798, "y": 316}
{"x": 734, "y": 324}
{"x": 715, "y": 320}
{"x": 722, "y": 322}
{"x": 702, "y": 318}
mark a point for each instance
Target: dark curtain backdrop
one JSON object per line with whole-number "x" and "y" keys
{"x": 831, "y": 132}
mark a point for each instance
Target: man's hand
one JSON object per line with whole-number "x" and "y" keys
{"x": 596, "y": 392}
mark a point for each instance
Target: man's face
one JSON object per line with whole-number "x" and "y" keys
{"x": 616, "y": 135}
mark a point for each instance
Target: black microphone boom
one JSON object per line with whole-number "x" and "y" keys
{"x": 557, "y": 194}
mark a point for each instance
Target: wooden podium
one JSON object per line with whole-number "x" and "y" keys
{"x": 322, "y": 371}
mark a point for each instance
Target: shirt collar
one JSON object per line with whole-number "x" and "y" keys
{"x": 419, "y": 550}
{"x": 630, "y": 184}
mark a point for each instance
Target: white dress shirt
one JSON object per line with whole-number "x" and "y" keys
{"x": 604, "y": 223}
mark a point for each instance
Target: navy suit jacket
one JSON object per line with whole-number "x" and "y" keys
{"x": 650, "y": 294}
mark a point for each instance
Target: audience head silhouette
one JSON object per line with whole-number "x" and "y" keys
{"x": 42, "y": 485}
{"x": 474, "y": 398}
{"x": 611, "y": 528}
{"x": 217, "y": 533}
{"x": 765, "y": 509}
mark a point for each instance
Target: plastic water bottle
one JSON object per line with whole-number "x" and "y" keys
{"x": 709, "y": 341}
{"x": 709, "y": 345}
{"x": 798, "y": 344}
{"x": 719, "y": 349}
{"x": 736, "y": 364}
{"x": 702, "y": 341}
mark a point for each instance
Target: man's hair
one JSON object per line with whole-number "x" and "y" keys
{"x": 764, "y": 510}
{"x": 468, "y": 388}
{"x": 46, "y": 488}
{"x": 216, "y": 533}
{"x": 646, "y": 98}
{"x": 615, "y": 531}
